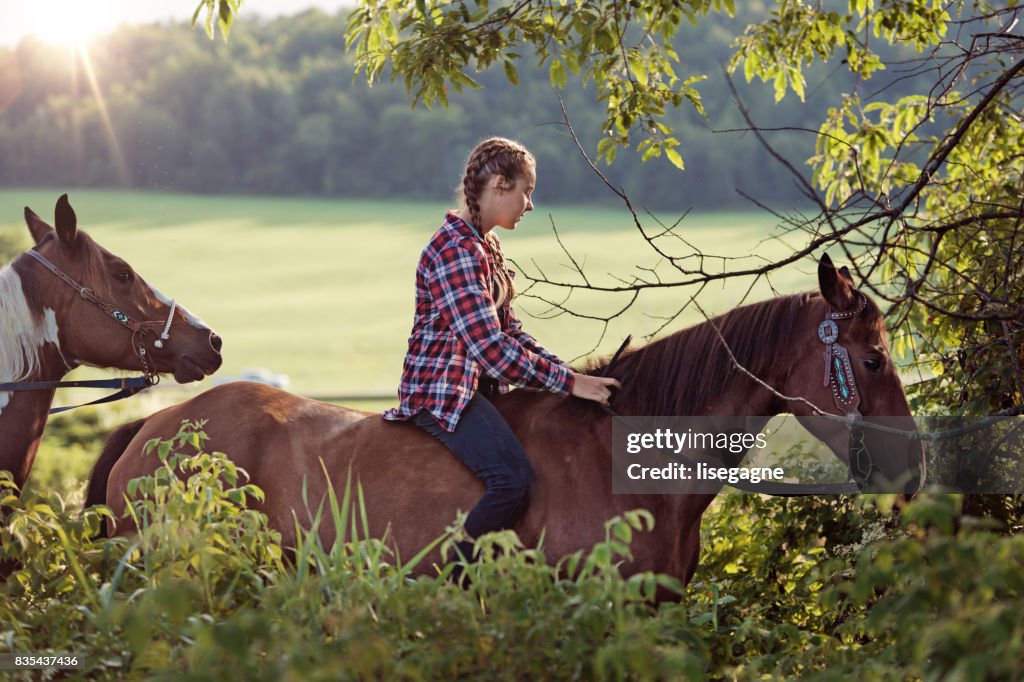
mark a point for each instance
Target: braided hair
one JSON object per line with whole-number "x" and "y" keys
{"x": 493, "y": 156}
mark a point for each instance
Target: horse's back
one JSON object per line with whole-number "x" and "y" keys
{"x": 258, "y": 426}
{"x": 292, "y": 447}
{"x": 245, "y": 413}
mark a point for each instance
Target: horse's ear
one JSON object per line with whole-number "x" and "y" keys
{"x": 836, "y": 285}
{"x": 67, "y": 223}
{"x": 37, "y": 227}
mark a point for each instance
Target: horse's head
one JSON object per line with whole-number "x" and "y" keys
{"x": 106, "y": 314}
{"x": 841, "y": 365}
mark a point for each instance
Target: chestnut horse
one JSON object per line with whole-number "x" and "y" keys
{"x": 414, "y": 486}
{"x": 69, "y": 302}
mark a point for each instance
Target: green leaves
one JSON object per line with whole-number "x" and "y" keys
{"x": 797, "y": 587}
{"x": 623, "y": 48}
{"x": 202, "y": 591}
{"x": 219, "y": 14}
{"x": 510, "y": 72}
{"x": 856, "y": 149}
{"x": 557, "y": 73}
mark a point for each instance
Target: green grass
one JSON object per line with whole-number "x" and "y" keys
{"x": 323, "y": 289}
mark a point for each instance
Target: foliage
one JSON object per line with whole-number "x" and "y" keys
{"x": 910, "y": 597}
{"x": 219, "y": 14}
{"x": 939, "y": 605}
{"x": 765, "y": 565}
{"x": 623, "y": 48}
{"x": 203, "y": 588}
{"x": 787, "y": 588}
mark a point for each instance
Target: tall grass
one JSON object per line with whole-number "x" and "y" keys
{"x": 203, "y": 587}
{"x": 204, "y": 590}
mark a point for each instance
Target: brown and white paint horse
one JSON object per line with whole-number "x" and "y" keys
{"x": 47, "y": 328}
{"x": 414, "y": 486}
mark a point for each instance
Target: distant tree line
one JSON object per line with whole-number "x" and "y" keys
{"x": 283, "y": 115}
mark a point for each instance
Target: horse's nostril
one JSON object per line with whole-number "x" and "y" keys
{"x": 215, "y": 342}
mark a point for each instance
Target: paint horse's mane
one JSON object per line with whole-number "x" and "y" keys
{"x": 24, "y": 327}
{"x": 681, "y": 373}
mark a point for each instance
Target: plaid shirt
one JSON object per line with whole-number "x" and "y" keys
{"x": 458, "y": 333}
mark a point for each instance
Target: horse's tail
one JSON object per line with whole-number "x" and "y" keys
{"x": 96, "y": 493}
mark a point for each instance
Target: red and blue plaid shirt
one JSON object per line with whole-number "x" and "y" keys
{"x": 458, "y": 333}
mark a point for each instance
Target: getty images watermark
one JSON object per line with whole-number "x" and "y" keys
{"x": 786, "y": 454}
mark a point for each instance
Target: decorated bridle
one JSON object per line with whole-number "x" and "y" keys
{"x": 139, "y": 329}
{"x": 839, "y": 376}
{"x": 838, "y": 370}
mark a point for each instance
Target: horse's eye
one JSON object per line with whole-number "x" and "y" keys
{"x": 124, "y": 277}
{"x": 873, "y": 363}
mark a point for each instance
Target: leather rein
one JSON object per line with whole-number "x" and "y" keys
{"x": 128, "y": 387}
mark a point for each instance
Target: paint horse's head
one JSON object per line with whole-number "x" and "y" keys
{"x": 102, "y": 313}
{"x": 843, "y": 367}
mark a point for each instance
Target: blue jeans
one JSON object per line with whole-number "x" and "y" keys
{"x": 483, "y": 441}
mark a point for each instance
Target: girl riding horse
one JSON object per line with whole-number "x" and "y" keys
{"x": 466, "y": 342}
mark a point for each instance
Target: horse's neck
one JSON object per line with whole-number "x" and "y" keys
{"x": 746, "y": 400}
{"x": 23, "y": 418}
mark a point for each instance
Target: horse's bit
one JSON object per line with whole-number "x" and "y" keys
{"x": 138, "y": 328}
{"x": 839, "y": 375}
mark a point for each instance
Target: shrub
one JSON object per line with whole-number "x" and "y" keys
{"x": 204, "y": 589}
{"x": 797, "y": 588}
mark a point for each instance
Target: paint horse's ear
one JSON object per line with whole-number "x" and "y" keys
{"x": 836, "y": 285}
{"x": 67, "y": 223}
{"x": 37, "y": 227}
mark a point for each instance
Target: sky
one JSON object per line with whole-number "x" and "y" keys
{"x": 57, "y": 20}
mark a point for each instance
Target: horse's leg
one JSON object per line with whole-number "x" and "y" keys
{"x": 96, "y": 492}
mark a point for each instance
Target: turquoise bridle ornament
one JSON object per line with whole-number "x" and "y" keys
{"x": 838, "y": 369}
{"x": 839, "y": 376}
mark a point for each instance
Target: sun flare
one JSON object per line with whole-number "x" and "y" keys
{"x": 69, "y": 23}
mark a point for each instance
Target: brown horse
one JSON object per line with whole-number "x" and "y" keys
{"x": 414, "y": 487}
{"x": 69, "y": 302}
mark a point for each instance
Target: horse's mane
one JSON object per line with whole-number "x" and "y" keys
{"x": 681, "y": 373}
{"x": 24, "y": 326}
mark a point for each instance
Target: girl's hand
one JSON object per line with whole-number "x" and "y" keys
{"x": 598, "y": 389}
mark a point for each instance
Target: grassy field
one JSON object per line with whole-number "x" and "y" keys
{"x": 322, "y": 290}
